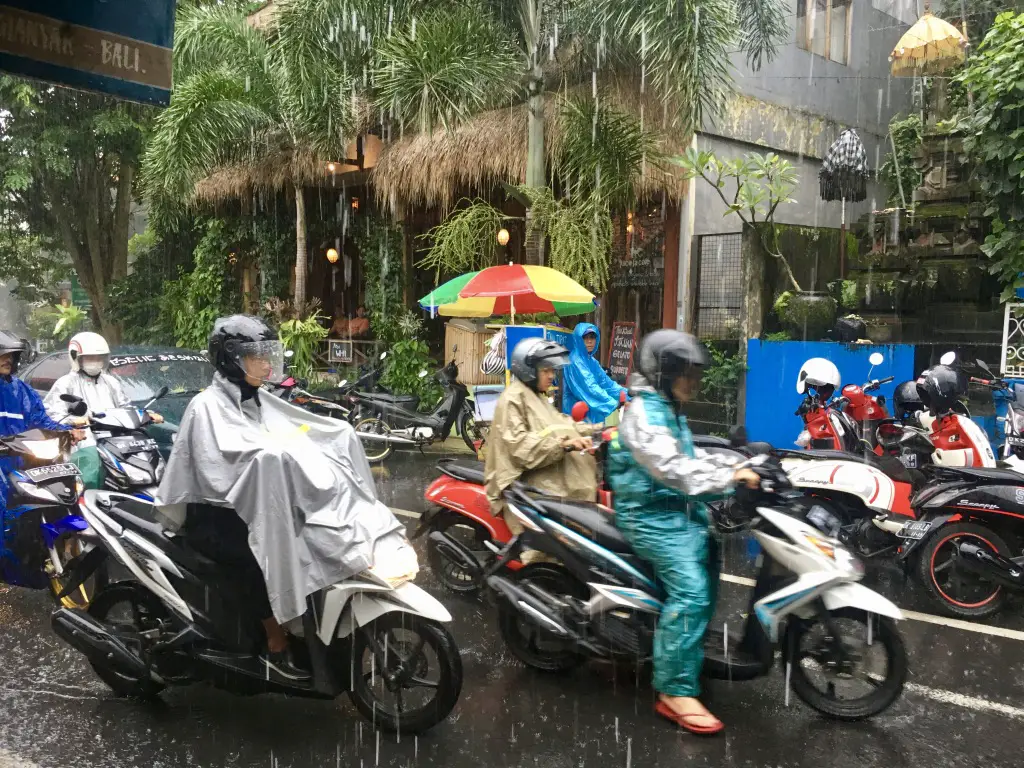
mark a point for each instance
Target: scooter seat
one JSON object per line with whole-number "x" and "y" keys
{"x": 410, "y": 402}
{"x": 467, "y": 470}
{"x": 142, "y": 517}
{"x": 890, "y": 465}
{"x": 981, "y": 474}
{"x": 590, "y": 520}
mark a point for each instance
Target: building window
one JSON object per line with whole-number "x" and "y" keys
{"x": 823, "y": 28}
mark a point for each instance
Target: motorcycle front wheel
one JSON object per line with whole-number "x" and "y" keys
{"x": 375, "y": 452}
{"x": 474, "y": 434}
{"x": 847, "y": 685}
{"x": 68, "y": 547}
{"x": 407, "y": 672}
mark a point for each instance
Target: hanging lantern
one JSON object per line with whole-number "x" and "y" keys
{"x": 331, "y": 167}
{"x": 503, "y": 236}
{"x": 332, "y": 255}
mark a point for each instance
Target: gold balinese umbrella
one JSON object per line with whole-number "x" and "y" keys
{"x": 930, "y": 47}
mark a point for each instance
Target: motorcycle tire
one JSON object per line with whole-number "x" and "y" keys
{"x": 138, "y": 598}
{"x": 938, "y": 593}
{"x": 471, "y": 431}
{"x": 430, "y": 635}
{"x": 375, "y": 452}
{"x": 555, "y": 579}
{"x": 884, "y": 692}
{"x": 453, "y": 578}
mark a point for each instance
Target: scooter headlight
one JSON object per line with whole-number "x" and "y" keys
{"x": 137, "y": 475}
{"x": 44, "y": 450}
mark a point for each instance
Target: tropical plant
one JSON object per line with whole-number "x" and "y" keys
{"x": 721, "y": 380}
{"x": 464, "y": 241}
{"x": 409, "y": 370}
{"x": 899, "y": 170}
{"x": 69, "y": 320}
{"x": 246, "y": 102}
{"x": 68, "y": 162}
{"x": 994, "y": 140}
{"x": 302, "y": 338}
{"x": 752, "y": 187}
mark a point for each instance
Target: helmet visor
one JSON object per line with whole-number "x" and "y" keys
{"x": 262, "y": 360}
{"x": 557, "y": 360}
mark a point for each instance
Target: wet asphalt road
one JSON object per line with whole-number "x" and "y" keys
{"x": 964, "y": 702}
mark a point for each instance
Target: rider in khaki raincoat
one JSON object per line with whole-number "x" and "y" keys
{"x": 529, "y": 438}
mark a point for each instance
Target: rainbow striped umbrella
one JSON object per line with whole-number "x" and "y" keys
{"x": 509, "y": 289}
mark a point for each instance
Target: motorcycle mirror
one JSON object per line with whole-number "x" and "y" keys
{"x": 984, "y": 366}
{"x": 948, "y": 359}
{"x": 79, "y": 409}
{"x": 422, "y": 374}
{"x": 579, "y": 411}
{"x": 342, "y": 383}
{"x": 877, "y": 358}
{"x": 737, "y": 436}
{"x": 71, "y": 399}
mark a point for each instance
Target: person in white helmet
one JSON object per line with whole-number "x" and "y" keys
{"x": 89, "y": 354}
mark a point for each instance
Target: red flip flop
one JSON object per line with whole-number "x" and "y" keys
{"x": 664, "y": 710}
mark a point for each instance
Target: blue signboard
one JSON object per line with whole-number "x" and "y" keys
{"x": 119, "y": 47}
{"x": 773, "y": 367}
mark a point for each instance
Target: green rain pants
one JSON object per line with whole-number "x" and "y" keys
{"x": 684, "y": 554}
{"x": 90, "y": 466}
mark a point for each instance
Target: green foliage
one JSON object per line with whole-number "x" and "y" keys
{"x": 70, "y": 320}
{"x": 899, "y": 170}
{"x": 37, "y": 270}
{"x": 302, "y": 338}
{"x": 406, "y": 360}
{"x": 198, "y": 298}
{"x": 994, "y": 140}
{"x": 805, "y": 315}
{"x": 56, "y": 322}
{"x": 380, "y": 248}
{"x": 465, "y": 241}
{"x": 752, "y": 188}
{"x": 844, "y": 292}
{"x": 778, "y": 336}
{"x": 721, "y": 380}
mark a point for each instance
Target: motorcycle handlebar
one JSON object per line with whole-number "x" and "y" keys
{"x": 993, "y": 383}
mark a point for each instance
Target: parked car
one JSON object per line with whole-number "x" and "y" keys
{"x": 143, "y": 370}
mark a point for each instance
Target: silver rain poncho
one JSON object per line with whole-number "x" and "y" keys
{"x": 301, "y": 482}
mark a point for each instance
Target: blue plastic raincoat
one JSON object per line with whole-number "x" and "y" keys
{"x": 660, "y": 482}
{"x": 585, "y": 379}
{"x": 21, "y": 409}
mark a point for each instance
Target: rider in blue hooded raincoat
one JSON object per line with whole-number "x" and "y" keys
{"x": 585, "y": 379}
{"x": 660, "y": 483}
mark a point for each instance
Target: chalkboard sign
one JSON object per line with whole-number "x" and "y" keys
{"x": 620, "y": 358}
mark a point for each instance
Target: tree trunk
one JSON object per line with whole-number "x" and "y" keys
{"x": 536, "y": 170}
{"x": 300, "y": 251}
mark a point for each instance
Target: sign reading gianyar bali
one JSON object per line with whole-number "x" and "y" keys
{"x": 120, "y": 47}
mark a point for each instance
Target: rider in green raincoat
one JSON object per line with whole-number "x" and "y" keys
{"x": 661, "y": 482}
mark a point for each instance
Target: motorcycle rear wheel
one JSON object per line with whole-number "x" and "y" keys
{"x": 949, "y": 594}
{"x": 884, "y": 690}
{"x": 451, "y": 575}
{"x": 397, "y": 645}
{"x": 472, "y": 431}
{"x": 528, "y": 642}
{"x": 375, "y": 452}
{"x": 145, "y": 609}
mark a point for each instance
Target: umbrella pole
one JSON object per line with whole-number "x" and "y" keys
{"x": 512, "y": 306}
{"x": 842, "y": 242}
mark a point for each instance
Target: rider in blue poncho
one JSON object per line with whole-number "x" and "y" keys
{"x": 585, "y": 379}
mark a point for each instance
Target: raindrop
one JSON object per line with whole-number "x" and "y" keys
{"x": 789, "y": 671}
{"x": 391, "y": 17}
{"x": 629, "y": 752}
{"x": 551, "y": 48}
{"x": 413, "y": 28}
{"x": 593, "y": 80}
{"x": 247, "y": 84}
{"x": 616, "y": 730}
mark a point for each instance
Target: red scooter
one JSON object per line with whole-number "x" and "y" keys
{"x": 458, "y": 508}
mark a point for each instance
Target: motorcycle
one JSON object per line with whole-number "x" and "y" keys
{"x": 131, "y": 458}
{"x": 601, "y": 600}
{"x": 374, "y": 636}
{"x": 42, "y": 529}
{"x": 392, "y": 424}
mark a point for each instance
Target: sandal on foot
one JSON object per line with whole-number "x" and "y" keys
{"x": 683, "y": 721}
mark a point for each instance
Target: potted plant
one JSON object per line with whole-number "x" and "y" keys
{"x": 752, "y": 188}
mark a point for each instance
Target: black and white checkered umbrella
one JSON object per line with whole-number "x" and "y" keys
{"x": 844, "y": 171}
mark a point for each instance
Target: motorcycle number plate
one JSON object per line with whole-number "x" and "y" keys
{"x": 140, "y": 445}
{"x": 1014, "y": 440}
{"x": 909, "y": 460}
{"x": 915, "y": 530}
{"x": 52, "y": 471}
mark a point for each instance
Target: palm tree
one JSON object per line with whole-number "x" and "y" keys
{"x": 241, "y": 118}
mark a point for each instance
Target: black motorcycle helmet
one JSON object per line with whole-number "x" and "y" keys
{"x": 534, "y": 353}
{"x": 667, "y": 354}
{"x": 235, "y": 336}
{"x": 906, "y": 401}
{"x": 11, "y": 343}
{"x": 939, "y": 389}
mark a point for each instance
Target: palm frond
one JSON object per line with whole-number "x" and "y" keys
{"x": 209, "y": 36}
{"x": 212, "y": 120}
{"x": 455, "y": 63}
{"x": 763, "y": 25}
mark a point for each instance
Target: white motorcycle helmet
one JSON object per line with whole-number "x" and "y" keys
{"x": 820, "y": 374}
{"x": 89, "y": 353}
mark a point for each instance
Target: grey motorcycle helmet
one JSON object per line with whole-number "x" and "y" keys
{"x": 530, "y": 355}
{"x": 667, "y": 354}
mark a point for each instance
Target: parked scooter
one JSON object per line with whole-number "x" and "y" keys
{"x": 377, "y": 636}
{"x": 601, "y": 600}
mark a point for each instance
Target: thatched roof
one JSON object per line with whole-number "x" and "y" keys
{"x": 437, "y": 169}
{"x": 279, "y": 171}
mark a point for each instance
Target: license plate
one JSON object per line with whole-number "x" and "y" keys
{"x": 52, "y": 471}
{"x": 915, "y": 530}
{"x": 909, "y": 460}
{"x": 137, "y": 446}
{"x": 1014, "y": 440}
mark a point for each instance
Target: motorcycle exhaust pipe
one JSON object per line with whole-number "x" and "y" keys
{"x": 457, "y": 552}
{"x": 990, "y": 565}
{"x": 88, "y": 636}
{"x": 530, "y": 607}
{"x": 373, "y": 437}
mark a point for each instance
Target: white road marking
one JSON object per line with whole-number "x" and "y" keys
{"x": 10, "y": 760}
{"x": 964, "y": 701}
{"x": 927, "y": 618}
{"x": 405, "y": 513}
